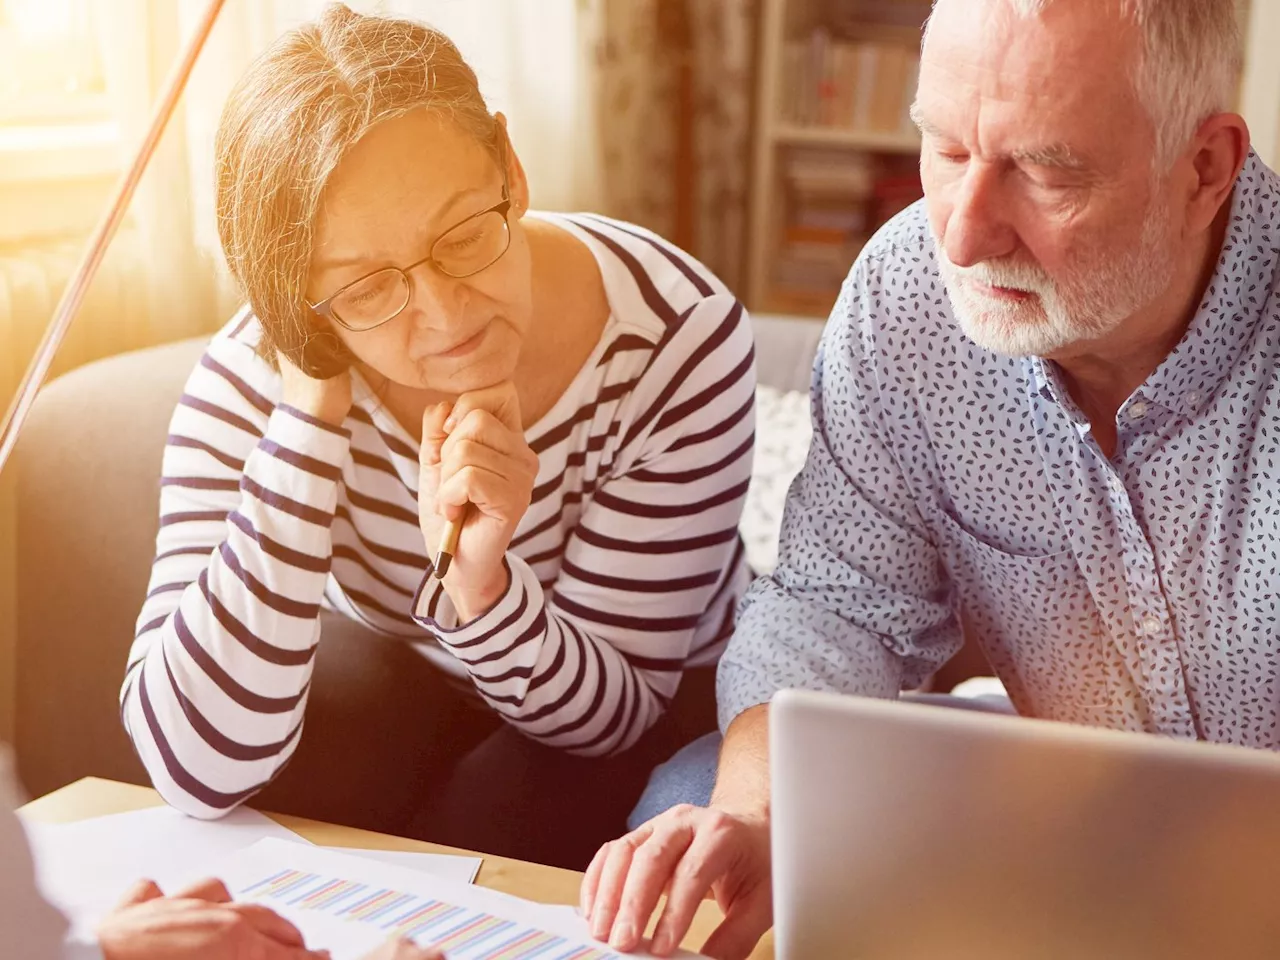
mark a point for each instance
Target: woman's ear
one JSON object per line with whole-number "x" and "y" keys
{"x": 517, "y": 182}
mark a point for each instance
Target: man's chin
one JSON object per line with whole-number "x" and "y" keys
{"x": 1011, "y": 337}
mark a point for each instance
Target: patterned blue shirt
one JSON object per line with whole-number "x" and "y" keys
{"x": 949, "y": 485}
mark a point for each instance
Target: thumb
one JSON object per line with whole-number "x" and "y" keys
{"x": 433, "y": 437}
{"x": 144, "y": 891}
{"x": 434, "y": 433}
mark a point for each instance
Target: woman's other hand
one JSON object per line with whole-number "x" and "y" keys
{"x": 327, "y": 400}
{"x": 476, "y": 468}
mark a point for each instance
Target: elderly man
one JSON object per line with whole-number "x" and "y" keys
{"x": 1047, "y": 398}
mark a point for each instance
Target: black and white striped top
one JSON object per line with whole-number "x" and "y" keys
{"x": 626, "y": 568}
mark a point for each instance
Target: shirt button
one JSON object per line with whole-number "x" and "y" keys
{"x": 1151, "y": 625}
{"x": 1193, "y": 397}
{"x": 1137, "y": 410}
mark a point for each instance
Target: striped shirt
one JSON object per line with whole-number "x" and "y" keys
{"x": 626, "y": 568}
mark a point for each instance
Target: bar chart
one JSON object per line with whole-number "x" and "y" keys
{"x": 464, "y": 933}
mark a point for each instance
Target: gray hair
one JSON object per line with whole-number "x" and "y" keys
{"x": 1188, "y": 68}
{"x": 290, "y": 120}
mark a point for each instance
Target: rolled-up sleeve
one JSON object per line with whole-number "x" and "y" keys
{"x": 859, "y": 602}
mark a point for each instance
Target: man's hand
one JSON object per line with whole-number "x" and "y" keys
{"x": 475, "y": 466}
{"x": 200, "y": 924}
{"x": 688, "y": 852}
{"x": 401, "y": 949}
{"x": 327, "y": 400}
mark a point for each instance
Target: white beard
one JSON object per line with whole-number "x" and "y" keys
{"x": 1105, "y": 289}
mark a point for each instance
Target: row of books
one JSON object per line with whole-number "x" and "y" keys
{"x": 848, "y": 84}
{"x": 834, "y": 201}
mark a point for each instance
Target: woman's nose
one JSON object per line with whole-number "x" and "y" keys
{"x": 435, "y": 299}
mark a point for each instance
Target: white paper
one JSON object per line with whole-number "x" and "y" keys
{"x": 88, "y": 866}
{"x": 446, "y": 867}
{"x": 349, "y": 905}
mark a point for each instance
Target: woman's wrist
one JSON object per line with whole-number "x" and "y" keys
{"x": 475, "y": 595}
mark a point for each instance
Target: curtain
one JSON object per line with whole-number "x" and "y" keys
{"x": 674, "y": 90}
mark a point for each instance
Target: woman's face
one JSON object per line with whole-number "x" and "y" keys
{"x": 401, "y": 187}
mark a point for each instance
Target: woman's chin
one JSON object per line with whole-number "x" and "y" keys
{"x": 459, "y": 378}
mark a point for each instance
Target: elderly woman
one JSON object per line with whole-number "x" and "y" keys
{"x": 421, "y": 349}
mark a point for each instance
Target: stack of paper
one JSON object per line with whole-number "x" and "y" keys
{"x": 87, "y": 867}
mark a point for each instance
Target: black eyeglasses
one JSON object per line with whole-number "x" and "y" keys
{"x": 462, "y": 251}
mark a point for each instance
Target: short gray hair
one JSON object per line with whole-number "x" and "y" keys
{"x": 1188, "y": 68}
{"x": 287, "y": 125}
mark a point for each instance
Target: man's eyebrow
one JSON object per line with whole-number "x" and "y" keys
{"x": 1058, "y": 155}
{"x": 924, "y": 125}
{"x": 1051, "y": 155}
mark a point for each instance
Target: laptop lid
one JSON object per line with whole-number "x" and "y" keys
{"x": 920, "y": 833}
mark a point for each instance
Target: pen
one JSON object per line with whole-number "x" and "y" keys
{"x": 448, "y": 546}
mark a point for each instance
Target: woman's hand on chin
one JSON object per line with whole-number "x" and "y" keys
{"x": 476, "y": 468}
{"x": 326, "y": 400}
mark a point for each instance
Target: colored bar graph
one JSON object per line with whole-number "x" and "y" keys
{"x": 463, "y": 933}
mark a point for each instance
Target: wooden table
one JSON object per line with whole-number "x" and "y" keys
{"x": 92, "y": 797}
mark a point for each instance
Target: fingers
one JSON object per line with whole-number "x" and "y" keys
{"x": 491, "y": 493}
{"x": 652, "y": 867}
{"x": 211, "y": 890}
{"x": 591, "y": 881}
{"x": 706, "y": 859}
{"x": 500, "y": 400}
{"x": 144, "y": 891}
{"x": 745, "y": 922}
{"x": 613, "y": 878}
{"x": 270, "y": 924}
{"x": 484, "y": 428}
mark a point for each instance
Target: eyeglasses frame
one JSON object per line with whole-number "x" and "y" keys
{"x": 503, "y": 207}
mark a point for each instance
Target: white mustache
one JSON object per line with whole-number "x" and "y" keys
{"x": 1009, "y": 276}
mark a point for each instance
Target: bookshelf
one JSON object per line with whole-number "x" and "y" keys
{"x": 835, "y": 154}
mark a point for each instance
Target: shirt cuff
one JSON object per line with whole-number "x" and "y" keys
{"x": 517, "y": 615}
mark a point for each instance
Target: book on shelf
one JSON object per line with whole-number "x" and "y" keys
{"x": 847, "y": 84}
{"x": 834, "y": 200}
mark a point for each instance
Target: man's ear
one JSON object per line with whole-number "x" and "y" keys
{"x": 1218, "y": 154}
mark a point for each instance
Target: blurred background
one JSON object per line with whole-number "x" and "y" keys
{"x": 769, "y": 137}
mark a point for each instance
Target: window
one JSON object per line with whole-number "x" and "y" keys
{"x": 55, "y": 117}
{"x": 50, "y": 64}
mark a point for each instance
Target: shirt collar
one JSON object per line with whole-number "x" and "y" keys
{"x": 1232, "y": 305}
{"x": 1223, "y": 324}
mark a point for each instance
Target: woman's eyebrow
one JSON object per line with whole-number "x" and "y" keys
{"x": 433, "y": 226}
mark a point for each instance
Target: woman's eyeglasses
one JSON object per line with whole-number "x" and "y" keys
{"x": 461, "y": 251}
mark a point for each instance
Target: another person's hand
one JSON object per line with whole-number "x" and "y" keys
{"x": 687, "y": 852}
{"x": 401, "y": 949}
{"x": 327, "y": 400}
{"x": 477, "y": 465}
{"x": 199, "y": 924}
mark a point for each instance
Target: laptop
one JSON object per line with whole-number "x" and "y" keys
{"x": 911, "y": 832}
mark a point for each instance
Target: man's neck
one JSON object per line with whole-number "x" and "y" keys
{"x": 1101, "y": 375}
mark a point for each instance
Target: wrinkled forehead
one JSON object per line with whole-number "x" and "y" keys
{"x": 1069, "y": 67}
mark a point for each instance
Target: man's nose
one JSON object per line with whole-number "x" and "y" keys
{"x": 977, "y": 228}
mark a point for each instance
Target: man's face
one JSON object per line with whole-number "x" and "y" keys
{"x": 1051, "y": 225}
